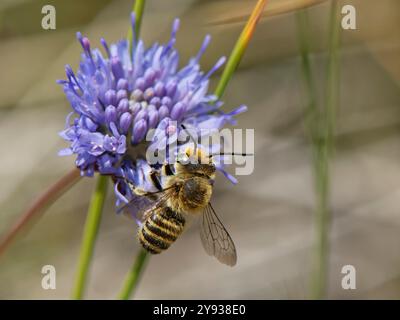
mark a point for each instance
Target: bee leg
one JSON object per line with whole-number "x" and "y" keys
{"x": 155, "y": 179}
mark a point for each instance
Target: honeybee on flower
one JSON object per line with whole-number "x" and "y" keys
{"x": 120, "y": 96}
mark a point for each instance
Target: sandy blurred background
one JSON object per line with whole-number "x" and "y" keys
{"x": 270, "y": 214}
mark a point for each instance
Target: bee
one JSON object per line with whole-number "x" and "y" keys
{"x": 184, "y": 189}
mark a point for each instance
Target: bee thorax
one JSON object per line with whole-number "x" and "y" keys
{"x": 194, "y": 195}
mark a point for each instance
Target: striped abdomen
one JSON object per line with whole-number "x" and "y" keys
{"x": 160, "y": 230}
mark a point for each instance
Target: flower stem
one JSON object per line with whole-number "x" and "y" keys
{"x": 133, "y": 276}
{"x": 89, "y": 235}
{"x": 240, "y": 47}
{"x": 39, "y": 206}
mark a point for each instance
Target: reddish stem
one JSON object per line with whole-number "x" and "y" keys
{"x": 39, "y": 205}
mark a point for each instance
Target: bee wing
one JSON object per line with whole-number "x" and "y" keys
{"x": 215, "y": 239}
{"x": 142, "y": 206}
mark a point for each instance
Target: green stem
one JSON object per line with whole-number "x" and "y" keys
{"x": 325, "y": 152}
{"x": 332, "y": 102}
{"x": 89, "y": 235}
{"x": 138, "y": 8}
{"x": 322, "y": 220}
{"x": 311, "y": 112}
{"x": 133, "y": 276}
{"x": 239, "y": 48}
{"x": 320, "y": 125}
{"x": 332, "y": 90}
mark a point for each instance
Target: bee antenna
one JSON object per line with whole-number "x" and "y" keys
{"x": 232, "y": 154}
{"x": 191, "y": 137}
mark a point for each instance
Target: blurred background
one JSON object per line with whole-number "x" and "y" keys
{"x": 270, "y": 214}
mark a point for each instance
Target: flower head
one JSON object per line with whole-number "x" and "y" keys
{"x": 118, "y": 97}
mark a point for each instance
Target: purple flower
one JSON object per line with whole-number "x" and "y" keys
{"x": 119, "y": 96}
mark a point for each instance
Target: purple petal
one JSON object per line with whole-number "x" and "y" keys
{"x": 65, "y": 152}
{"x": 153, "y": 119}
{"x": 163, "y": 112}
{"x": 125, "y": 122}
{"x": 111, "y": 97}
{"x": 178, "y": 111}
{"x": 123, "y": 106}
{"x": 111, "y": 114}
{"x": 117, "y": 68}
{"x": 122, "y": 84}
{"x": 139, "y": 131}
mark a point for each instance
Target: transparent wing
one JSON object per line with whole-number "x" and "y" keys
{"x": 215, "y": 239}
{"x": 142, "y": 206}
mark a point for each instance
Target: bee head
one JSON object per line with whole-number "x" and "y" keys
{"x": 196, "y": 161}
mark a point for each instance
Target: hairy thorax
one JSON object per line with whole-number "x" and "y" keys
{"x": 191, "y": 195}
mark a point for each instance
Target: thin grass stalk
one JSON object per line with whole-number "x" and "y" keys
{"x": 38, "y": 207}
{"x": 311, "y": 111}
{"x": 312, "y": 121}
{"x": 320, "y": 125}
{"x": 325, "y": 152}
{"x": 332, "y": 102}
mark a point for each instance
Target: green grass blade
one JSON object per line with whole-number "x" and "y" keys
{"x": 320, "y": 124}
